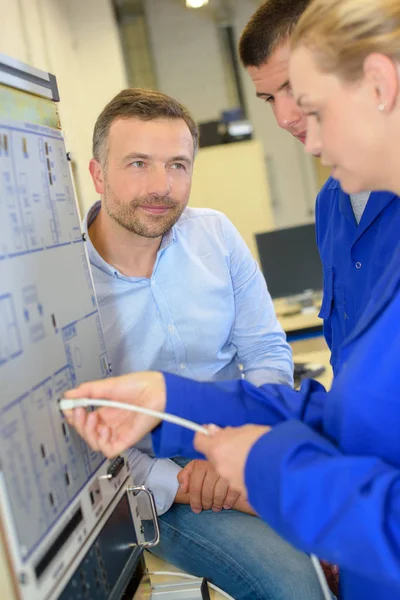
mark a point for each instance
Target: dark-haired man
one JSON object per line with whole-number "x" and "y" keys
{"x": 356, "y": 234}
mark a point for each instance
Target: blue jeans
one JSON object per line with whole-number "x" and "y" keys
{"x": 238, "y": 553}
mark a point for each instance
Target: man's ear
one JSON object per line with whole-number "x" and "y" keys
{"x": 96, "y": 171}
{"x": 383, "y": 74}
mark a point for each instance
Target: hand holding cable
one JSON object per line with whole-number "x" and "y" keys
{"x": 110, "y": 429}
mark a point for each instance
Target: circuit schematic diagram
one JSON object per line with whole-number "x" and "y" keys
{"x": 70, "y": 524}
{"x": 49, "y": 329}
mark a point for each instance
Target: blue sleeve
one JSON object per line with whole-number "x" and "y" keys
{"x": 345, "y": 509}
{"x": 257, "y": 335}
{"x": 326, "y": 326}
{"x": 232, "y": 403}
{"x": 342, "y": 500}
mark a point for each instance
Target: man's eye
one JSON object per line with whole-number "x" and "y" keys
{"x": 138, "y": 163}
{"x": 269, "y": 100}
{"x": 178, "y": 166}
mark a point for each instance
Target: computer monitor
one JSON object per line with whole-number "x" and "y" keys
{"x": 290, "y": 260}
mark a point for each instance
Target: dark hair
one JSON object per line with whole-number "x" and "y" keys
{"x": 145, "y": 105}
{"x": 270, "y": 25}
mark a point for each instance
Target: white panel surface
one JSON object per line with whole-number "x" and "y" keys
{"x": 50, "y": 340}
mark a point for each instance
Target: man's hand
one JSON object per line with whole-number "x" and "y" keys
{"x": 228, "y": 449}
{"x": 206, "y": 489}
{"x": 112, "y": 430}
{"x": 331, "y": 573}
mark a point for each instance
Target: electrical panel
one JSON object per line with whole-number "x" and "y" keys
{"x": 56, "y": 494}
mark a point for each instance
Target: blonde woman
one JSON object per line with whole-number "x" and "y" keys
{"x": 323, "y": 469}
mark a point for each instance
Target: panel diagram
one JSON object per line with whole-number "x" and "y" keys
{"x": 50, "y": 334}
{"x": 10, "y": 341}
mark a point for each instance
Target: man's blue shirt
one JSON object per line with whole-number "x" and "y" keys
{"x": 204, "y": 313}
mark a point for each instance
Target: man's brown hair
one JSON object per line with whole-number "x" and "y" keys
{"x": 271, "y": 24}
{"x": 145, "y": 105}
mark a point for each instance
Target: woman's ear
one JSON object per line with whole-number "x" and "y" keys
{"x": 383, "y": 75}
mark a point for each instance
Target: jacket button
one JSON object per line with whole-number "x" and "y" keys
{"x": 358, "y": 265}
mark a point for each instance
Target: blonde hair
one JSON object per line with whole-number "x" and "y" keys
{"x": 342, "y": 33}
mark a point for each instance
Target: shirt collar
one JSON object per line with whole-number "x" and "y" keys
{"x": 94, "y": 257}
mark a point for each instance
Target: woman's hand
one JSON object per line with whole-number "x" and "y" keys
{"x": 113, "y": 430}
{"x": 228, "y": 449}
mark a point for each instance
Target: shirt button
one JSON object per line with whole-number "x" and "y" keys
{"x": 171, "y": 328}
{"x": 182, "y": 366}
{"x": 358, "y": 265}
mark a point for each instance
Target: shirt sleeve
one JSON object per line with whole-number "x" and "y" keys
{"x": 158, "y": 475}
{"x": 345, "y": 509}
{"x": 340, "y": 497}
{"x": 258, "y": 337}
{"x": 232, "y": 403}
{"x": 327, "y": 319}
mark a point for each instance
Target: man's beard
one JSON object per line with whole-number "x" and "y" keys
{"x": 132, "y": 218}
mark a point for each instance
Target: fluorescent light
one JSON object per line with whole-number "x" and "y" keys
{"x": 196, "y": 3}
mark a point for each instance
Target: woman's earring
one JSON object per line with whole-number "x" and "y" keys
{"x": 382, "y": 107}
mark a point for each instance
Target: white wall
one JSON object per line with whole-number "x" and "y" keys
{"x": 245, "y": 198}
{"x": 188, "y": 63}
{"x": 78, "y": 41}
{"x": 187, "y": 57}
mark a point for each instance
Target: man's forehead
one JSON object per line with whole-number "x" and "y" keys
{"x": 162, "y": 124}
{"x": 172, "y": 130}
{"x": 274, "y": 73}
{"x": 161, "y": 137}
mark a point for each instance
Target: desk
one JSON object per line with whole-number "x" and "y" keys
{"x": 297, "y": 324}
{"x": 304, "y": 334}
{"x": 318, "y": 356}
